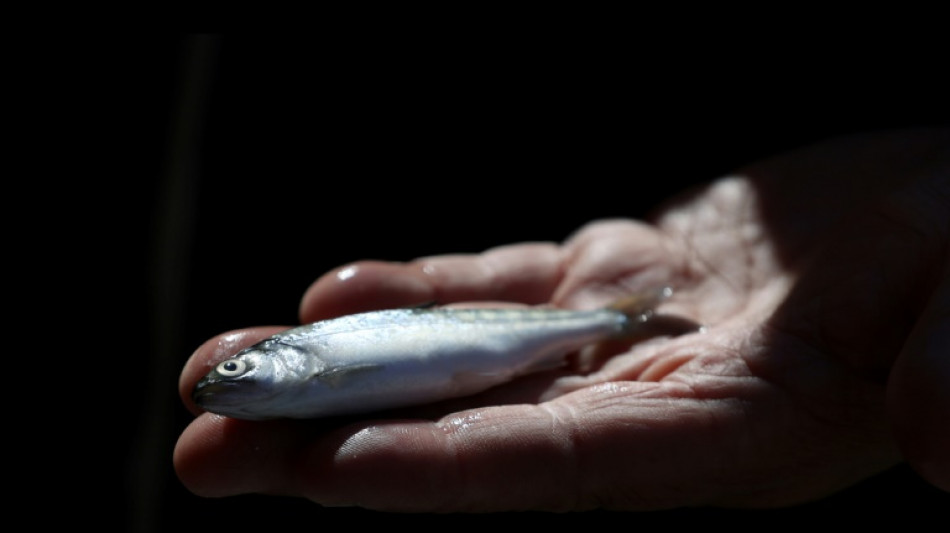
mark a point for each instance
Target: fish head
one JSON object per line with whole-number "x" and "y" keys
{"x": 254, "y": 383}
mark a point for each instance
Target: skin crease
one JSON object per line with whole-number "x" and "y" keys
{"x": 821, "y": 277}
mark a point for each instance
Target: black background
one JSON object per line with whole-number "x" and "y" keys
{"x": 216, "y": 177}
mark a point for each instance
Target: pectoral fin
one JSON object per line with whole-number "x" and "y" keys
{"x": 337, "y": 376}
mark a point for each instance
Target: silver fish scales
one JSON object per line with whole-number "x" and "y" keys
{"x": 400, "y": 357}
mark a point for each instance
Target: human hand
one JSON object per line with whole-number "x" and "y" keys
{"x": 821, "y": 277}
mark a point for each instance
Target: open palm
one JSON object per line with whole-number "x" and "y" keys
{"x": 813, "y": 274}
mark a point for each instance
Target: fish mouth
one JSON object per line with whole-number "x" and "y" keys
{"x": 208, "y": 392}
{"x": 236, "y": 399}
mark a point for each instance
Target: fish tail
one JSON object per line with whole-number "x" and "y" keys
{"x": 638, "y": 306}
{"x": 643, "y": 322}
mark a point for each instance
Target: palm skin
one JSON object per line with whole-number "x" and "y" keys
{"x": 819, "y": 276}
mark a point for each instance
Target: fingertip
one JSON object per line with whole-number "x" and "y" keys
{"x": 216, "y": 456}
{"x": 212, "y": 352}
{"x": 195, "y": 455}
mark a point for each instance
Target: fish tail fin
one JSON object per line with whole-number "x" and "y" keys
{"x": 639, "y": 305}
{"x": 642, "y": 322}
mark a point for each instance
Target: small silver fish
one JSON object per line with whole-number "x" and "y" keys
{"x": 400, "y": 357}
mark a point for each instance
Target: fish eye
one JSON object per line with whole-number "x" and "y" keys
{"x": 231, "y": 368}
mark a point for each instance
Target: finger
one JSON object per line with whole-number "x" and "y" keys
{"x": 525, "y": 273}
{"x": 213, "y": 352}
{"x": 218, "y": 456}
{"x": 619, "y": 445}
{"x": 873, "y": 276}
{"x": 499, "y": 458}
{"x": 611, "y": 259}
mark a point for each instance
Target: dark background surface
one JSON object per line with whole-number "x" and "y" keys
{"x": 228, "y": 173}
